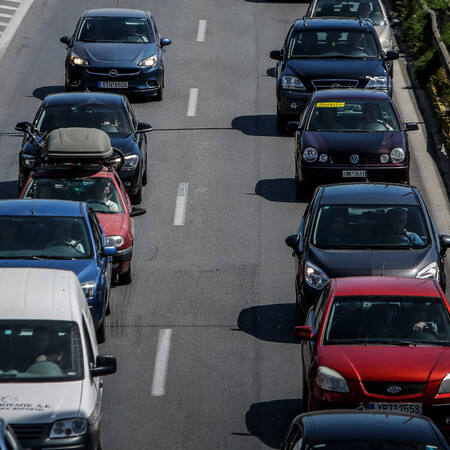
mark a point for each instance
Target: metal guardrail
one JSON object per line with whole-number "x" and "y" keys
{"x": 440, "y": 46}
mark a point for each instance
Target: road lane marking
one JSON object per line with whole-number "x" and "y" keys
{"x": 201, "y": 30}
{"x": 161, "y": 362}
{"x": 180, "y": 205}
{"x": 192, "y": 106}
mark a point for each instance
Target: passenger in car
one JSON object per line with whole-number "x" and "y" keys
{"x": 395, "y": 231}
{"x": 328, "y": 120}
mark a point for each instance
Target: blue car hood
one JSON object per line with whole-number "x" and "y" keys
{"x": 105, "y": 53}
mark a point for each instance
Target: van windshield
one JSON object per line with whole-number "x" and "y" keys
{"x": 42, "y": 351}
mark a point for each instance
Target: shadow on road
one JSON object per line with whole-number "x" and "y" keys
{"x": 257, "y": 125}
{"x": 271, "y": 72}
{"x": 8, "y": 189}
{"x": 43, "y": 91}
{"x": 278, "y": 190}
{"x": 269, "y": 421}
{"x": 273, "y": 323}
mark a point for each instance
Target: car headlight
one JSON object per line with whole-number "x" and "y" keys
{"x": 315, "y": 277}
{"x": 385, "y": 44}
{"x": 131, "y": 162}
{"x": 310, "y": 154}
{"x": 430, "y": 271}
{"x": 114, "y": 241}
{"x": 28, "y": 161}
{"x": 323, "y": 158}
{"x": 151, "y": 61}
{"x": 288, "y": 82}
{"x": 88, "y": 289}
{"x": 397, "y": 155}
{"x": 444, "y": 387}
{"x": 78, "y": 60}
{"x": 68, "y": 428}
{"x": 384, "y": 158}
{"x": 331, "y": 380}
{"x": 377, "y": 83}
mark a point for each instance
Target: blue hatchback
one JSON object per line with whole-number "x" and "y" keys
{"x": 118, "y": 50}
{"x": 62, "y": 235}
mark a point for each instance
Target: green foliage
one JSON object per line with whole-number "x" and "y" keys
{"x": 415, "y": 29}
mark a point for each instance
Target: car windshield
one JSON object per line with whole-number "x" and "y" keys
{"x": 333, "y": 44}
{"x": 115, "y": 29}
{"x": 370, "y": 10}
{"x": 111, "y": 119}
{"x": 353, "y": 115}
{"x": 40, "y": 351}
{"x": 370, "y": 227}
{"x": 375, "y": 445}
{"x": 388, "y": 320}
{"x": 44, "y": 237}
{"x": 101, "y": 193}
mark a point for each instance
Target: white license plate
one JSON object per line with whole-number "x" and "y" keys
{"x": 113, "y": 84}
{"x": 415, "y": 408}
{"x": 353, "y": 173}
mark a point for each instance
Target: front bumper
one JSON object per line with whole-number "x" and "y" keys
{"x": 131, "y": 179}
{"x": 121, "y": 261}
{"x": 292, "y": 102}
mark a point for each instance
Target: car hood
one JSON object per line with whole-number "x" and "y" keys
{"x": 40, "y": 402}
{"x": 112, "y": 224}
{"x": 396, "y": 263}
{"x": 387, "y": 362}
{"x": 310, "y": 69}
{"x": 353, "y": 142}
{"x": 113, "y": 52}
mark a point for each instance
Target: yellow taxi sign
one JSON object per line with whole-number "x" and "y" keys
{"x": 330, "y": 104}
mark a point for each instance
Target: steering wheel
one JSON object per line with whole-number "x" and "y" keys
{"x": 375, "y": 126}
{"x": 99, "y": 202}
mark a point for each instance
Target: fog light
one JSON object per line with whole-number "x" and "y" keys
{"x": 294, "y": 105}
{"x": 75, "y": 83}
{"x": 152, "y": 84}
{"x": 384, "y": 158}
{"x": 323, "y": 158}
{"x": 127, "y": 184}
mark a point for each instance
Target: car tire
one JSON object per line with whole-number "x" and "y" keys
{"x": 282, "y": 121}
{"x": 136, "y": 199}
{"x": 159, "y": 94}
{"x": 306, "y": 399}
{"x": 125, "y": 278}
{"x": 101, "y": 332}
{"x": 99, "y": 445}
{"x": 298, "y": 187}
{"x": 144, "y": 176}
{"x": 300, "y": 309}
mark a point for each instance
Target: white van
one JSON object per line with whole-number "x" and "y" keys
{"x": 50, "y": 390}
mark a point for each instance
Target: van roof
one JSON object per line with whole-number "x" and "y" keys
{"x": 40, "y": 294}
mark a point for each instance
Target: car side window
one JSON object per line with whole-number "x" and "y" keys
{"x": 96, "y": 230}
{"x": 88, "y": 344}
{"x": 131, "y": 114}
{"x": 294, "y": 438}
{"x": 320, "y": 306}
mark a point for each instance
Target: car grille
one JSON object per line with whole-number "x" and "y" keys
{"x": 112, "y": 74}
{"x": 28, "y": 431}
{"x": 381, "y": 388}
{"x": 334, "y": 84}
{"x": 363, "y": 159}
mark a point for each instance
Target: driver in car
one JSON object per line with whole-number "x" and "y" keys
{"x": 372, "y": 114}
{"x": 63, "y": 235}
{"x": 395, "y": 230}
{"x": 100, "y": 192}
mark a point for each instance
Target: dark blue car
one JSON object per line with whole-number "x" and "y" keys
{"x": 111, "y": 113}
{"x": 114, "y": 49}
{"x": 62, "y": 235}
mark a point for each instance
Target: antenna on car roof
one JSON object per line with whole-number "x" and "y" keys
{"x": 361, "y": 22}
{"x": 305, "y": 21}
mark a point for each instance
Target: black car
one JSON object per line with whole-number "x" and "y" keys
{"x": 116, "y": 49}
{"x": 345, "y": 134}
{"x": 359, "y": 229}
{"x": 351, "y": 429}
{"x": 111, "y": 113}
{"x": 324, "y": 53}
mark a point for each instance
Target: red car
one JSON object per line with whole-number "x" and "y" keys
{"x": 382, "y": 343}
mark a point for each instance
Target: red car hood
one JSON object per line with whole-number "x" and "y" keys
{"x": 113, "y": 224}
{"x": 387, "y": 363}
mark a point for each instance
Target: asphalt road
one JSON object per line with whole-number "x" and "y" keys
{"x": 203, "y": 334}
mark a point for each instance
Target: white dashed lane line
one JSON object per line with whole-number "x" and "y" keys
{"x": 192, "y": 105}
{"x": 201, "y": 30}
{"x": 181, "y": 204}
{"x": 161, "y": 362}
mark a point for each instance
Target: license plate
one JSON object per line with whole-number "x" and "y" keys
{"x": 415, "y": 408}
{"x": 353, "y": 173}
{"x": 113, "y": 84}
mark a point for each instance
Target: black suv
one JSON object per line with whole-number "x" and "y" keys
{"x": 328, "y": 53}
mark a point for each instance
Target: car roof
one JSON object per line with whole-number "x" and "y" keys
{"x": 332, "y": 23}
{"x": 83, "y": 98}
{"x": 41, "y": 207}
{"x": 40, "y": 294}
{"x": 379, "y": 285}
{"x": 368, "y": 194}
{"x": 115, "y": 12}
{"x": 344, "y": 94}
{"x": 336, "y": 425}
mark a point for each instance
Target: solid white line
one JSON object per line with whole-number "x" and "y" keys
{"x": 161, "y": 362}
{"x": 192, "y": 105}
{"x": 201, "y": 30}
{"x": 181, "y": 204}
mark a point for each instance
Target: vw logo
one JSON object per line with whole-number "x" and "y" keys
{"x": 394, "y": 389}
{"x": 354, "y": 159}
{"x": 335, "y": 85}
{"x": 113, "y": 73}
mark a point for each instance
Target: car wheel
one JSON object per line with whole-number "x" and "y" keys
{"x": 298, "y": 187}
{"x": 125, "y": 278}
{"x": 159, "y": 94}
{"x": 136, "y": 199}
{"x": 300, "y": 308}
{"x": 306, "y": 399}
{"x": 101, "y": 332}
{"x": 282, "y": 122}
{"x": 98, "y": 445}
{"x": 144, "y": 177}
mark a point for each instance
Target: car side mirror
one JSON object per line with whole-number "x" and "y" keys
{"x": 411, "y": 126}
{"x": 22, "y": 126}
{"x": 304, "y": 333}
{"x": 391, "y": 55}
{"x": 394, "y": 22}
{"x": 104, "y": 365}
{"x": 109, "y": 251}
{"x": 292, "y": 127}
{"x": 137, "y": 211}
{"x": 293, "y": 241}
{"x": 143, "y": 127}
{"x": 276, "y": 54}
{"x": 66, "y": 40}
{"x": 445, "y": 242}
{"x": 164, "y": 41}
